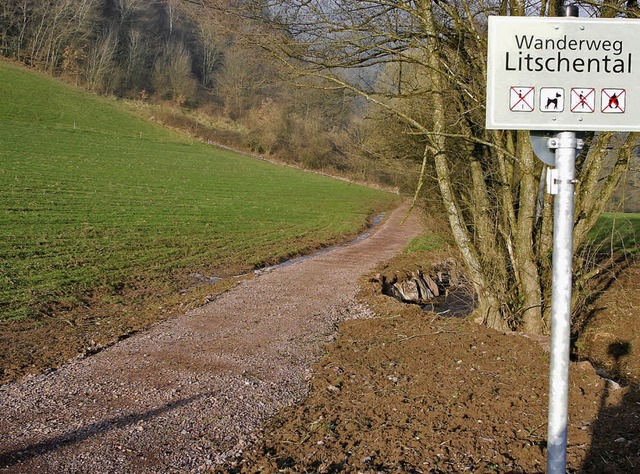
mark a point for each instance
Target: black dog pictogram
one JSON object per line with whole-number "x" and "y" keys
{"x": 553, "y": 101}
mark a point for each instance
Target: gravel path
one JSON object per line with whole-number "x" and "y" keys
{"x": 188, "y": 393}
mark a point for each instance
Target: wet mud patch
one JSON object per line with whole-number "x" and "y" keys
{"x": 441, "y": 288}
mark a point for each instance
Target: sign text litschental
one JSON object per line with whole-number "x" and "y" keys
{"x": 548, "y": 55}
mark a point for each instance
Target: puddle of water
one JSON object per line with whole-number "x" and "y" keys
{"x": 457, "y": 304}
{"x": 205, "y": 279}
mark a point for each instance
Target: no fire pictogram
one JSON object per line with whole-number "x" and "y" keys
{"x": 521, "y": 99}
{"x": 614, "y": 101}
{"x": 583, "y": 100}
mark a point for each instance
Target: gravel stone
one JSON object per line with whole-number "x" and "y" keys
{"x": 190, "y": 393}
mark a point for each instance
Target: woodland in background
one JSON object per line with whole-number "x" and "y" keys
{"x": 196, "y": 63}
{"x": 369, "y": 89}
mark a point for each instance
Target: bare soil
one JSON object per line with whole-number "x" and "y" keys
{"x": 309, "y": 368}
{"x": 412, "y": 392}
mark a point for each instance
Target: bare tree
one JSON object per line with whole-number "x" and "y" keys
{"x": 128, "y": 10}
{"x": 240, "y": 80}
{"x": 172, "y": 76}
{"x": 55, "y": 25}
{"x": 136, "y": 57}
{"x": 434, "y": 53}
{"x": 99, "y": 68}
{"x": 212, "y": 52}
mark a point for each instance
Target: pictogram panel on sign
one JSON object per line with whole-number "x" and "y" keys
{"x": 521, "y": 99}
{"x": 551, "y": 99}
{"x": 583, "y": 100}
{"x": 614, "y": 101}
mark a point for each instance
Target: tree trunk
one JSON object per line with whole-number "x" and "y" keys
{"x": 526, "y": 266}
{"x": 489, "y": 308}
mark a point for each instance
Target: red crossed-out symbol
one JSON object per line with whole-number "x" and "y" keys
{"x": 613, "y": 100}
{"x": 584, "y": 100}
{"x": 521, "y": 101}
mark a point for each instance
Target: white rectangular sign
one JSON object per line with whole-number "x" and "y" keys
{"x": 563, "y": 74}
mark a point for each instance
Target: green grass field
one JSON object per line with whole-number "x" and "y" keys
{"x": 616, "y": 231}
{"x": 92, "y": 197}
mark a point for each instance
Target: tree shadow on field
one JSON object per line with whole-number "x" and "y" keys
{"x": 615, "y": 443}
{"x": 25, "y": 453}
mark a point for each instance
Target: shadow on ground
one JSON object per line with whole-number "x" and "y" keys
{"x": 25, "y": 453}
{"x": 615, "y": 445}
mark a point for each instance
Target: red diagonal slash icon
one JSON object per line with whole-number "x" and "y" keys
{"x": 583, "y": 100}
{"x": 613, "y": 101}
{"x": 521, "y": 99}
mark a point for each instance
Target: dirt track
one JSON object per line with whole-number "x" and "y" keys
{"x": 188, "y": 393}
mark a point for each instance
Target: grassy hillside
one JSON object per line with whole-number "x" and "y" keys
{"x": 92, "y": 197}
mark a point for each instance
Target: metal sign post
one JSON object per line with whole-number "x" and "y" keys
{"x": 565, "y": 144}
{"x": 559, "y": 76}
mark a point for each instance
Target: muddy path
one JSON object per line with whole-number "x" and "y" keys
{"x": 190, "y": 392}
